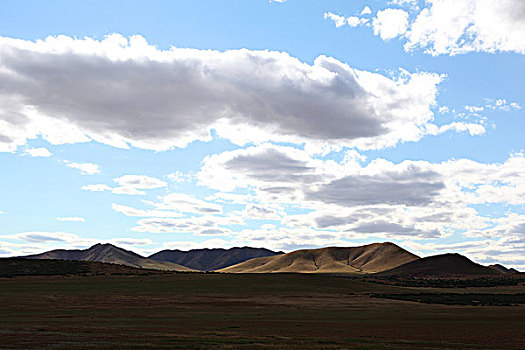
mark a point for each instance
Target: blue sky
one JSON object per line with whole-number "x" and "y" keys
{"x": 284, "y": 124}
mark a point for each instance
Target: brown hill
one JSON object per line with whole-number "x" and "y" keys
{"x": 109, "y": 253}
{"x": 365, "y": 259}
{"x": 444, "y": 265}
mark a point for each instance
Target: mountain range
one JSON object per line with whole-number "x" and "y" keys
{"x": 381, "y": 259}
{"x": 109, "y": 253}
{"x": 211, "y": 259}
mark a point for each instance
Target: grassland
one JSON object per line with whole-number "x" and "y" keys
{"x": 244, "y": 311}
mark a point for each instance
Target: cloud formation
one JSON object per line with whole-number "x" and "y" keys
{"x": 124, "y": 92}
{"x": 390, "y": 23}
{"x": 85, "y": 168}
{"x": 39, "y": 152}
{"x": 454, "y": 27}
{"x": 129, "y": 185}
{"x": 449, "y": 27}
{"x": 382, "y": 199}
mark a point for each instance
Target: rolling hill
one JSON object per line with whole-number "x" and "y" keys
{"x": 365, "y": 259}
{"x": 444, "y": 265}
{"x": 211, "y": 259}
{"x": 13, "y": 267}
{"x": 109, "y": 253}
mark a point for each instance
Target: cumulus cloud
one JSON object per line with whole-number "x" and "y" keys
{"x": 75, "y": 90}
{"x": 390, "y": 23}
{"x": 39, "y": 152}
{"x": 457, "y": 27}
{"x": 380, "y": 199}
{"x": 72, "y": 218}
{"x": 85, "y": 168}
{"x": 352, "y": 21}
{"x": 452, "y": 27}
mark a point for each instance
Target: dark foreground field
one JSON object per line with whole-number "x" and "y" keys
{"x": 280, "y": 311}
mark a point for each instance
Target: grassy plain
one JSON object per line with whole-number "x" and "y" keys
{"x": 244, "y": 311}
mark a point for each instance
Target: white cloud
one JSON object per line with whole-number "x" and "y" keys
{"x": 129, "y": 211}
{"x": 97, "y": 93}
{"x": 188, "y": 245}
{"x": 338, "y": 20}
{"x": 39, "y": 152}
{"x": 96, "y": 188}
{"x": 85, "y": 168}
{"x": 474, "y": 129}
{"x": 201, "y": 225}
{"x": 366, "y": 11}
{"x": 129, "y": 185}
{"x": 47, "y": 237}
{"x": 186, "y": 204}
{"x": 390, "y": 23}
{"x": 254, "y": 211}
{"x": 451, "y": 27}
{"x": 72, "y": 218}
{"x": 454, "y": 27}
{"x": 131, "y": 242}
{"x": 140, "y": 181}
{"x": 179, "y": 177}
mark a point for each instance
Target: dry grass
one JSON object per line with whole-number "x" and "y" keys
{"x": 226, "y": 311}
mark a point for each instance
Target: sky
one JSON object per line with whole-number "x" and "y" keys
{"x": 283, "y": 124}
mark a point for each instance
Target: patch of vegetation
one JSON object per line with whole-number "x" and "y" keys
{"x": 474, "y": 299}
{"x": 450, "y": 282}
{"x": 11, "y": 267}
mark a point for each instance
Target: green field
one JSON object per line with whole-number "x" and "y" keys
{"x": 276, "y": 311}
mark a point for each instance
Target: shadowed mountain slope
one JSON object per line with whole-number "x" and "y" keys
{"x": 211, "y": 259}
{"x": 365, "y": 259}
{"x": 444, "y": 265}
{"x": 503, "y": 269}
{"x": 109, "y": 253}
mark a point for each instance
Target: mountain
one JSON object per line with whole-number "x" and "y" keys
{"x": 211, "y": 259}
{"x": 365, "y": 259}
{"x": 109, "y": 253}
{"x": 444, "y": 265}
{"x": 502, "y": 269}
